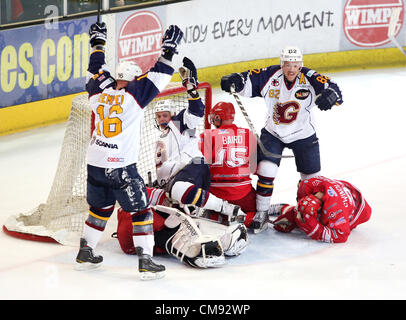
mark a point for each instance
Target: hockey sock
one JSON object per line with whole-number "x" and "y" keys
{"x": 95, "y": 224}
{"x": 264, "y": 192}
{"x": 143, "y": 233}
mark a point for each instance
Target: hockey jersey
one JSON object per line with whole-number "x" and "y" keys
{"x": 231, "y": 154}
{"x": 119, "y": 114}
{"x": 343, "y": 209}
{"x": 289, "y": 105}
{"x": 178, "y": 144}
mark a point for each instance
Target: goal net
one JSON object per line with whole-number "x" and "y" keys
{"x": 62, "y": 217}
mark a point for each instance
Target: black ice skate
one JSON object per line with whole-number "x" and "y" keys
{"x": 86, "y": 260}
{"x": 148, "y": 269}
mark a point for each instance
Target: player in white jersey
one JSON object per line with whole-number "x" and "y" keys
{"x": 290, "y": 91}
{"x": 180, "y": 165}
{"x": 118, "y": 105}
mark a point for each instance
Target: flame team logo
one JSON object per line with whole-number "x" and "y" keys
{"x": 140, "y": 38}
{"x": 366, "y": 22}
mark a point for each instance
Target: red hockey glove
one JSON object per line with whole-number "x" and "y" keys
{"x": 286, "y": 221}
{"x": 309, "y": 204}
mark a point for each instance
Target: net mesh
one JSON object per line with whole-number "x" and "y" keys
{"x": 62, "y": 217}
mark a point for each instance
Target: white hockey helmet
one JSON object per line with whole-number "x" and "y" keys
{"x": 127, "y": 71}
{"x": 163, "y": 105}
{"x": 291, "y": 53}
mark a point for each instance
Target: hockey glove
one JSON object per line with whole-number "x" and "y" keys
{"x": 234, "y": 79}
{"x": 98, "y": 34}
{"x": 188, "y": 74}
{"x": 170, "y": 41}
{"x": 286, "y": 221}
{"x": 326, "y": 99}
{"x": 309, "y": 206}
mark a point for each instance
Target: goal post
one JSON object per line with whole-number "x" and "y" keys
{"x": 62, "y": 217}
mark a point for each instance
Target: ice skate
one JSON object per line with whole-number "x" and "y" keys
{"x": 148, "y": 269}
{"x": 233, "y": 211}
{"x": 86, "y": 259}
{"x": 260, "y": 221}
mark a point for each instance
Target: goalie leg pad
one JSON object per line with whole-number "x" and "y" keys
{"x": 190, "y": 246}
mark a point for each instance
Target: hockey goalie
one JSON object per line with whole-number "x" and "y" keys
{"x": 194, "y": 240}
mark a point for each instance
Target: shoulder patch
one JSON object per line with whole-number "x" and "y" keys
{"x": 310, "y": 73}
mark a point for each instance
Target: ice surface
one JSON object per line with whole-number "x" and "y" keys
{"x": 362, "y": 141}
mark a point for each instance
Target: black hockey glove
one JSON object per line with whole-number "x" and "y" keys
{"x": 235, "y": 79}
{"x": 98, "y": 34}
{"x": 170, "y": 41}
{"x": 188, "y": 74}
{"x": 326, "y": 99}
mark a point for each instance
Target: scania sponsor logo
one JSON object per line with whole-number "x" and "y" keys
{"x": 366, "y": 22}
{"x": 140, "y": 39}
{"x": 106, "y": 145}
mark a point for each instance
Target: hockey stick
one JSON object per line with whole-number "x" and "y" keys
{"x": 392, "y": 29}
{"x": 252, "y": 128}
{"x": 98, "y": 11}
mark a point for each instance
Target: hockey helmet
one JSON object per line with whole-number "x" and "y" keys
{"x": 163, "y": 105}
{"x": 291, "y": 53}
{"x": 222, "y": 111}
{"x": 127, "y": 71}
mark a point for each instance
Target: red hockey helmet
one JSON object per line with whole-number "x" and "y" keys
{"x": 222, "y": 111}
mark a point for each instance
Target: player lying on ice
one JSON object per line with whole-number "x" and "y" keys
{"x": 327, "y": 210}
{"x": 195, "y": 241}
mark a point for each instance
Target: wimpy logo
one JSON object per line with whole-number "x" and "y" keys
{"x": 139, "y": 39}
{"x": 366, "y": 16}
{"x": 141, "y": 44}
{"x": 366, "y": 22}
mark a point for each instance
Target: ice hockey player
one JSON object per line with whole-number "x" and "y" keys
{"x": 195, "y": 241}
{"x": 290, "y": 91}
{"x": 231, "y": 154}
{"x": 118, "y": 105}
{"x": 327, "y": 210}
{"x": 180, "y": 166}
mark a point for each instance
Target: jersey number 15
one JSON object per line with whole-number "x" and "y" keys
{"x": 231, "y": 156}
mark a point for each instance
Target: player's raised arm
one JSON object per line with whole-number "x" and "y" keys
{"x": 191, "y": 117}
{"x": 95, "y": 82}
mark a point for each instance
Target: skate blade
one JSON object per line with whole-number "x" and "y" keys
{"x": 83, "y": 266}
{"x": 146, "y": 275}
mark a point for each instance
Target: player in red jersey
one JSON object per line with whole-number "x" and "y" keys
{"x": 231, "y": 154}
{"x": 327, "y": 210}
